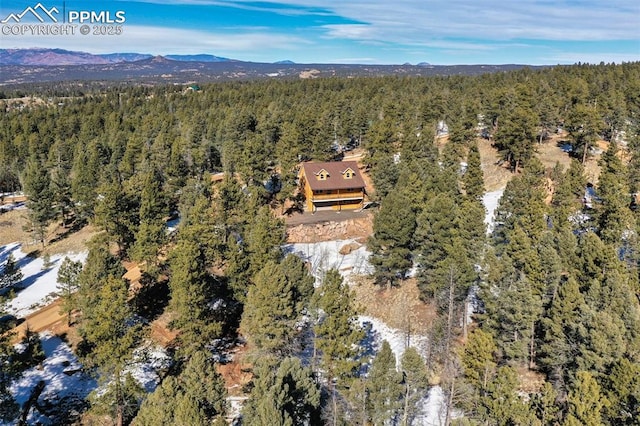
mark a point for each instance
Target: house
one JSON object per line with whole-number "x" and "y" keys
{"x": 334, "y": 185}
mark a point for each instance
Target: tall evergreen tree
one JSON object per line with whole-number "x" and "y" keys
{"x": 415, "y": 383}
{"x": 111, "y": 337}
{"x": 473, "y": 177}
{"x": 284, "y": 393}
{"x": 504, "y": 406}
{"x": 586, "y": 403}
{"x": 269, "y": 314}
{"x": 68, "y": 284}
{"x": 391, "y": 243}
{"x": 196, "y": 396}
{"x": 191, "y": 288}
{"x": 337, "y": 334}
{"x": 478, "y": 358}
{"x": 614, "y": 215}
{"x": 623, "y": 393}
{"x": 116, "y": 213}
{"x": 384, "y": 387}
{"x": 585, "y": 125}
{"x": 516, "y": 135}
{"x": 266, "y": 235}
{"x": 151, "y": 231}
{"x": 37, "y": 186}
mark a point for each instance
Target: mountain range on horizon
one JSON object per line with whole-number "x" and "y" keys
{"x": 56, "y": 56}
{"x": 43, "y": 66}
{"x": 50, "y": 56}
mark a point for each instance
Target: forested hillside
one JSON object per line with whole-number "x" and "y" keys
{"x": 555, "y": 336}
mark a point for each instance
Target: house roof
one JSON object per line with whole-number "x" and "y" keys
{"x": 335, "y": 180}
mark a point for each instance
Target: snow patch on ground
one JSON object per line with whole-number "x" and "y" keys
{"x": 38, "y": 286}
{"x": 433, "y": 410}
{"x": 377, "y": 331}
{"x": 62, "y": 374}
{"x": 490, "y": 201}
{"x": 149, "y": 361}
{"x": 326, "y": 255}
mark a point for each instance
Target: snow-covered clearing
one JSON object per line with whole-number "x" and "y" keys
{"x": 65, "y": 382}
{"x": 38, "y": 286}
{"x": 490, "y": 201}
{"x": 326, "y": 255}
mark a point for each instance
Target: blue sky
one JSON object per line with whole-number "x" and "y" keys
{"x": 440, "y": 32}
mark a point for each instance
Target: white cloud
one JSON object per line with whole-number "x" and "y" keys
{"x": 404, "y": 20}
{"x": 171, "y": 41}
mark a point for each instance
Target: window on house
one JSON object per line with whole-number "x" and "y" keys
{"x": 323, "y": 175}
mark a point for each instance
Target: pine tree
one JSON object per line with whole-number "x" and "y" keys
{"x": 201, "y": 382}
{"x": 337, "y": 334}
{"x": 586, "y": 403}
{"x": 391, "y": 243}
{"x": 190, "y": 289}
{"x": 37, "y": 186}
{"x": 151, "y": 232}
{"x": 68, "y": 284}
{"x": 61, "y": 189}
{"x": 284, "y": 393}
{"x": 302, "y": 281}
{"x": 503, "y": 404}
{"x": 623, "y": 393}
{"x": 545, "y": 405}
{"x": 266, "y": 235}
{"x": 11, "y": 274}
{"x": 384, "y": 386}
{"x": 614, "y": 216}
{"x": 516, "y": 135}
{"x": 115, "y": 212}
{"x": 562, "y": 328}
{"x": 522, "y": 203}
{"x": 269, "y": 314}
{"x": 100, "y": 265}
{"x": 473, "y": 177}
{"x": 584, "y": 124}
{"x": 124, "y": 397}
{"x": 159, "y": 406}
{"x": 85, "y": 178}
{"x": 415, "y": 383}
{"x": 111, "y": 337}
{"x": 519, "y": 309}
{"x": 478, "y": 358}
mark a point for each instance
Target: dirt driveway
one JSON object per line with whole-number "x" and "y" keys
{"x": 325, "y": 216}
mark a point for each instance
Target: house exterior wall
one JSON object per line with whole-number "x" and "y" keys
{"x": 339, "y": 199}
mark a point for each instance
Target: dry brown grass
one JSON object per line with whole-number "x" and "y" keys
{"x": 397, "y": 307}
{"x": 60, "y": 240}
{"x": 495, "y": 176}
{"x": 11, "y": 227}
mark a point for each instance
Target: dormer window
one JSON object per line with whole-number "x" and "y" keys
{"x": 322, "y": 175}
{"x": 348, "y": 174}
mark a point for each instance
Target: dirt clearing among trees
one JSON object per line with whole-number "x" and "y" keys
{"x": 398, "y": 307}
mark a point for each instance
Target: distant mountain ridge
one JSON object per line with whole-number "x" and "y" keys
{"x": 56, "y": 57}
{"x": 43, "y": 66}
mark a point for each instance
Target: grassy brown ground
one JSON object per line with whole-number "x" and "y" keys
{"x": 496, "y": 175}
{"x": 60, "y": 240}
{"x": 399, "y": 307}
